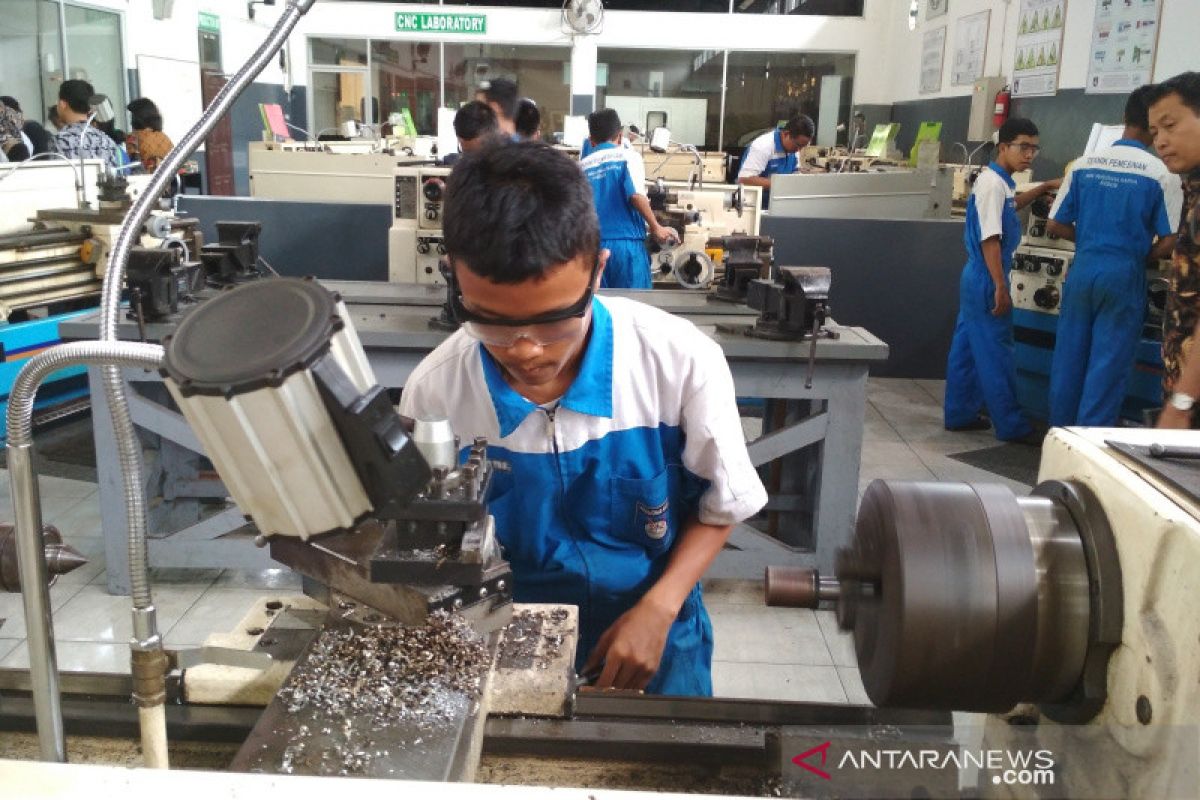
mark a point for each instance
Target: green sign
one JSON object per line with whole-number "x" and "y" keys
{"x": 210, "y": 22}
{"x": 407, "y": 22}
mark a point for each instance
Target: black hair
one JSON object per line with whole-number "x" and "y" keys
{"x": 77, "y": 95}
{"x": 1137, "y": 108}
{"x": 603, "y": 125}
{"x": 1185, "y": 84}
{"x": 1016, "y": 126}
{"x": 144, "y": 114}
{"x": 800, "y": 125}
{"x": 514, "y": 211}
{"x": 475, "y": 119}
{"x": 528, "y": 118}
{"x": 502, "y": 92}
{"x": 11, "y": 102}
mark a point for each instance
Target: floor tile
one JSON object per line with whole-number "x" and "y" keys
{"x": 12, "y": 607}
{"x": 727, "y": 591}
{"x": 839, "y": 642}
{"x": 809, "y": 684}
{"x": 876, "y": 428}
{"x": 51, "y": 486}
{"x": 83, "y": 519}
{"x": 258, "y": 579}
{"x": 94, "y": 615}
{"x": 893, "y": 390}
{"x": 217, "y": 611}
{"x": 767, "y": 635}
{"x": 936, "y": 389}
{"x": 7, "y": 646}
{"x": 77, "y": 657}
{"x": 853, "y": 686}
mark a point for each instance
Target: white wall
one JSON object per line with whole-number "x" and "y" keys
{"x": 861, "y": 36}
{"x": 1179, "y": 33}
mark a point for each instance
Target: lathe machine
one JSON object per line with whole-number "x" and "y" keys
{"x": 1040, "y": 266}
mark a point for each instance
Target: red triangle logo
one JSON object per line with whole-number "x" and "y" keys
{"x": 802, "y": 760}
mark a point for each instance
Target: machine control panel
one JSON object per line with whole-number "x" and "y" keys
{"x": 1036, "y": 278}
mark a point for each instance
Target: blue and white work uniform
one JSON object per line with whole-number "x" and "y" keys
{"x": 981, "y": 370}
{"x": 622, "y": 229}
{"x": 1118, "y": 199}
{"x": 766, "y": 157}
{"x": 590, "y": 495}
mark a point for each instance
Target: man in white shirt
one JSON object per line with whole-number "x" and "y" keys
{"x": 774, "y": 153}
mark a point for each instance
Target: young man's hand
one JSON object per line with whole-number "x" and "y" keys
{"x": 632, "y": 648}
{"x": 1003, "y": 302}
{"x": 665, "y": 235}
{"x": 1049, "y": 187}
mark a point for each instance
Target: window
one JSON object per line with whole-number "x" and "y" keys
{"x": 826, "y": 8}
{"x": 542, "y": 73}
{"x": 680, "y": 89}
{"x": 767, "y": 87}
{"x": 407, "y": 75}
{"x": 34, "y": 63}
{"x": 338, "y": 84}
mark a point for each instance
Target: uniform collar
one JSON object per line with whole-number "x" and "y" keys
{"x": 1003, "y": 173}
{"x": 779, "y": 141}
{"x": 603, "y": 146}
{"x": 1131, "y": 143}
{"x": 590, "y": 393}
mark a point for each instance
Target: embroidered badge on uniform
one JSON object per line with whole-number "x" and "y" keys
{"x": 656, "y": 523}
{"x": 656, "y": 529}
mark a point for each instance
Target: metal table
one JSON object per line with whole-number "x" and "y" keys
{"x": 808, "y": 453}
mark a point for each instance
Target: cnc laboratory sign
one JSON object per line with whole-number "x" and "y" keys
{"x": 441, "y": 23}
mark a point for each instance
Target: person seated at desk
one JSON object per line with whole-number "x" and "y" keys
{"x": 621, "y": 465}
{"x": 775, "y": 153}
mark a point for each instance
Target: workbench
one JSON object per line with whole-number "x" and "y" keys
{"x": 808, "y": 453}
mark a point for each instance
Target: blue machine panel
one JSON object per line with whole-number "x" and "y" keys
{"x": 20, "y": 342}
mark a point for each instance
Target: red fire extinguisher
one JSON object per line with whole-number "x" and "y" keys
{"x": 1003, "y": 105}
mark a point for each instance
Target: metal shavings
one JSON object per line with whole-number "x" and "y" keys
{"x": 358, "y": 679}
{"x": 526, "y": 644}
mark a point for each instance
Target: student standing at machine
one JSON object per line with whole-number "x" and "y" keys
{"x": 1175, "y": 125}
{"x": 980, "y": 371}
{"x": 774, "y": 153}
{"x": 621, "y": 465}
{"x": 502, "y": 95}
{"x": 1112, "y": 204}
{"x": 618, "y": 181}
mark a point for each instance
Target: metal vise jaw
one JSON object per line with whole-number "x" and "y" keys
{"x": 794, "y": 307}
{"x": 747, "y": 258}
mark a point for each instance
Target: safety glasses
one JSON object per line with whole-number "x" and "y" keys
{"x": 543, "y": 330}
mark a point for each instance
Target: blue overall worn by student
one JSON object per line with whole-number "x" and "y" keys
{"x": 981, "y": 371}
{"x": 1117, "y": 201}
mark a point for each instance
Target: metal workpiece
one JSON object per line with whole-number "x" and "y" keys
{"x": 60, "y": 558}
{"x": 435, "y": 440}
{"x": 379, "y": 700}
{"x": 797, "y": 587}
{"x": 967, "y": 597}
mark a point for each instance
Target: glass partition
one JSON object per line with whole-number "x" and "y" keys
{"x": 678, "y": 89}
{"x": 765, "y": 88}
{"x": 541, "y": 73}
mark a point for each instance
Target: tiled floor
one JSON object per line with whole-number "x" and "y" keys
{"x": 760, "y": 652}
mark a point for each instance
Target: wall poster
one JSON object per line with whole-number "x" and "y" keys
{"x": 933, "y": 52}
{"x": 970, "y": 48}
{"x": 1039, "y": 47}
{"x": 1124, "y": 45}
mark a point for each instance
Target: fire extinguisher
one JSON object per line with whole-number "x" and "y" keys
{"x": 1003, "y": 105}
